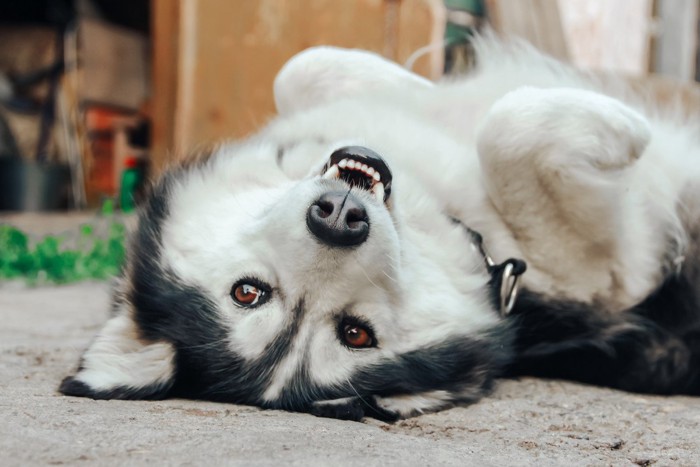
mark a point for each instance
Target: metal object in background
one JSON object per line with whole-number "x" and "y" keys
{"x": 31, "y": 186}
{"x": 8, "y": 143}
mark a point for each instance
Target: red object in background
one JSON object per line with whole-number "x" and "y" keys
{"x": 131, "y": 163}
{"x": 104, "y": 170}
{"x": 100, "y": 176}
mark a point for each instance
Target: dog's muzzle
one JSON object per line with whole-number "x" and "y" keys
{"x": 338, "y": 218}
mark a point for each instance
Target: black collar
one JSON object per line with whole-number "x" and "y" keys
{"x": 505, "y": 276}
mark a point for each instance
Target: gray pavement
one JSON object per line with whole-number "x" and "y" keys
{"x": 526, "y": 422}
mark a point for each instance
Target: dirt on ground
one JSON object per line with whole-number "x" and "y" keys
{"x": 526, "y": 422}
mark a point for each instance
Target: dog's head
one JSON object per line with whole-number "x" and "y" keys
{"x": 309, "y": 268}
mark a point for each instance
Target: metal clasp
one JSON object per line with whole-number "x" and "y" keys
{"x": 510, "y": 284}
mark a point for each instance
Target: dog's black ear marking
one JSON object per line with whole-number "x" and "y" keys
{"x": 120, "y": 364}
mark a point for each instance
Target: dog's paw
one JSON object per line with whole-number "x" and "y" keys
{"x": 349, "y": 408}
{"x": 563, "y": 127}
{"x": 72, "y": 386}
{"x": 411, "y": 405}
{"x": 353, "y": 408}
{"x": 119, "y": 364}
{"x": 388, "y": 409}
{"x": 322, "y": 74}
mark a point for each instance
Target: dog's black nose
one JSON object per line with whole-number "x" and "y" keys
{"x": 338, "y": 219}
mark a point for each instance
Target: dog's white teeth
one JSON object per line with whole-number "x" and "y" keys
{"x": 378, "y": 190}
{"x": 350, "y": 164}
{"x": 332, "y": 172}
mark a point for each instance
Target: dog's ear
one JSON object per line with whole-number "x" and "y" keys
{"x": 120, "y": 364}
{"x": 321, "y": 74}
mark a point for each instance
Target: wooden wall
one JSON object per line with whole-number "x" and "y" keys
{"x": 537, "y": 21}
{"x": 215, "y": 60}
{"x": 675, "y": 46}
{"x": 633, "y": 37}
{"x": 610, "y": 35}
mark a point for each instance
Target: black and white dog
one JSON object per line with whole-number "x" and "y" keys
{"x": 332, "y": 263}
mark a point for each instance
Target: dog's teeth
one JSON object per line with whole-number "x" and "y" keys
{"x": 364, "y": 168}
{"x": 370, "y": 172}
{"x": 351, "y": 164}
{"x": 378, "y": 191}
{"x": 376, "y": 176}
{"x": 342, "y": 164}
{"x": 332, "y": 172}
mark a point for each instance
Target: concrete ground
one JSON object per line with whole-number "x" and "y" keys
{"x": 526, "y": 422}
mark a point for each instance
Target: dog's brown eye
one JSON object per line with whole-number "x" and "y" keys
{"x": 357, "y": 337}
{"x": 249, "y": 294}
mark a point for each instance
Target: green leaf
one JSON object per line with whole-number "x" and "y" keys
{"x": 49, "y": 259}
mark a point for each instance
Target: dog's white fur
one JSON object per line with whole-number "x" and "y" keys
{"x": 581, "y": 185}
{"x": 548, "y": 149}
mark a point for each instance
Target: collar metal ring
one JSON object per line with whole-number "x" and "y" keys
{"x": 509, "y": 289}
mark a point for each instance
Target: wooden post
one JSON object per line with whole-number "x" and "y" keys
{"x": 215, "y": 60}
{"x": 611, "y": 35}
{"x": 537, "y": 21}
{"x": 675, "y": 45}
{"x": 165, "y": 63}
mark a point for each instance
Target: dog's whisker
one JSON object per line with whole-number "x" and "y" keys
{"x": 389, "y": 276}
{"x": 395, "y": 261}
{"x": 365, "y": 274}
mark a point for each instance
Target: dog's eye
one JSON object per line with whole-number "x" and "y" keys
{"x": 356, "y": 335}
{"x": 249, "y": 293}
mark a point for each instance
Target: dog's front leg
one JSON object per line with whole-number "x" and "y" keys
{"x": 354, "y": 408}
{"x": 323, "y": 74}
{"x": 559, "y": 167}
{"x": 392, "y": 408}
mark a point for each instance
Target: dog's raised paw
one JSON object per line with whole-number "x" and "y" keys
{"x": 563, "y": 127}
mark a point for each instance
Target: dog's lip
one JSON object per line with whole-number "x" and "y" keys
{"x": 361, "y": 167}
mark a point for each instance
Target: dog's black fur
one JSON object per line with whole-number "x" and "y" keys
{"x": 652, "y": 348}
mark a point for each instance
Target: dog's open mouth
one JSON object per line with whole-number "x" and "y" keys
{"x": 362, "y": 168}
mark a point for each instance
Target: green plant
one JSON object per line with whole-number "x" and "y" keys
{"x": 96, "y": 251}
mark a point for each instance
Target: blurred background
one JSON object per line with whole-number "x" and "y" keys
{"x": 98, "y": 95}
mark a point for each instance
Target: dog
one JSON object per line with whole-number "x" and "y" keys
{"x": 388, "y": 246}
